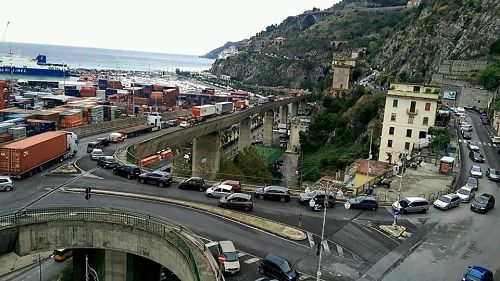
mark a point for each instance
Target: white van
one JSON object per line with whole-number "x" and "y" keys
{"x": 116, "y": 137}
{"x": 460, "y": 112}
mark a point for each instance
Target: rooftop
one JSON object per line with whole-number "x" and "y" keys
{"x": 375, "y": 168}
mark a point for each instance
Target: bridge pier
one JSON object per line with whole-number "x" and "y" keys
{"x": 268, "y": 128}
{"x": 302, "y": 107}
{"x": 206, "y": 155}
{"x": 245, "y": 139}
{"x": 294, "y": 109}
{"x": 284, "y": 114}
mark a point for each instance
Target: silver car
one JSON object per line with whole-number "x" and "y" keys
{"x": 472, "y": 182}
{"x": 447, "y": 201}
{"x": 6, "y": 183}
{"x": 466, "y": 193}
{"x": 493, "y": 174}
{"x": 476, "y": 171}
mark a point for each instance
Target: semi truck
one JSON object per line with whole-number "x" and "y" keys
{"x": 225, "y": 107}
{"x": 204, "y": 111}
{"x": 28, "y": 156}
{"x": 153, "y": 124}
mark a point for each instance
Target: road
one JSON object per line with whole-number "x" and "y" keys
{"x": 49, "y": 268}
{"x": 461, "y": 238}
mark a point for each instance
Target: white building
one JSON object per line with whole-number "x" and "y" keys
{"x": 410, "y": 110}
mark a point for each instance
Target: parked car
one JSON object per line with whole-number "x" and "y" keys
{"x": 472, "y": 145}
{"x": 466, "y": 193}
{"x": 96, "y": 154}
{"x": 485, "y": 120}
{"x": 239, "y": 201}
{"x": 467, "y": 135}
{"x": 466, "y": 127}
{"x": 447, "y": 201}
{"x": 278, "y": 267}
{"x": 185, "y": 124}
{"x": 194, "y": 183}
{"x": 279, "y": 193}
{"x": 103, "y": 141}
{"x": 219, "y": 191}
{"x": 483, "y": 203}
{"x": 477, "y": 273}
{"x": 93, "y": 145}
{"x": 233, "y": 183}
{"x": 159, "y": 178}
{"x": 476, "y": 171}
{"x": 493, "y": 174}
{"x": 6, "y": 183}
{"x": 128, "y": 170}
{"x": 107, "y": 162}
{"x": 228, "y": 257}
{"x": 495, "y": 140}
{"x": 363, "y": 202}
{"x": 472, "y": 182}
{"x": 411, "y": 205}
{"x": 319, "y": 196}
{"x": 476, "y": 157}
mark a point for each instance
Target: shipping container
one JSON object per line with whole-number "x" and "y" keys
{"x": 224, "y": 107}
{"x": 25, "y": 157}
{"x": 241, "y": 104}
{"x": 204, "y": 111}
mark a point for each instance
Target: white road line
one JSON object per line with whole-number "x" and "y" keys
{"x": 213, "y": 243}
{"x": 340, "y": 250}
{"x": 459, "y": 140}
{"x": 303, "y": 277}
{"x": 310, "y": 238}
{"x": 252, "y": 260}
{"x": 489, "y": 144}
{"x": 240, "y": 254}
{"x": 325, "y": 246}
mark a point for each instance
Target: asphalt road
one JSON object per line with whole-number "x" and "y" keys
{"x": 461, "y": 237}
{"x": 49, "y": 269}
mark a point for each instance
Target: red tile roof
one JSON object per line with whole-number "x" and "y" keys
{"x": 377, "y": 168}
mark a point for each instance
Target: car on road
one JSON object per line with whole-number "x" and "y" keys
{"x": 279, "y": 193}
{"x": 485, "y": 120}
{"x": 172, "y": 123}
{"x": 319, "y": 196}
{"x": 447, "y": 201}
{"x": 6, "y": 183}
{"x": 107, "y": 162}
{"x": 96, "y": 154}
{"x": 466, "y": 193}
{"x": 278, "y": 267}
{"x": 476, "y": 171}
{"x": 476, "y": 157}
{"x": 239, "y": 201}
{"x": 128, "y": 170}
{"x": 467, "y": 135}
{"x": 472, "y": 145}
{"x": 93, "y": 145}
{"x": 493, "y": 174}
{"x": 185, "y": 124}
{"x": 495, "y": 140}
{"x": 472, "y": 182}
{"x": 219, "y": 191}
{"x": 411, "y": 205}
{"x": 466, "y": 127}
{"x": 477, "y": 273}
{"x": 194, "y": 183}
{"x": 103, "y": 141}
{"x": 159, "y": 178}
{"x": 363, "y": 202}
{"x": 483, "y": 203}
{"x": 228, "y": 257}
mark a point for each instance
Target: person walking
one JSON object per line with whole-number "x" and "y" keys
{"x": 312, "y": 203}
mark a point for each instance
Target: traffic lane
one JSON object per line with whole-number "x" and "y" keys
{"x": 490, "y": 149}
{"x": 213, "y": 228}
{"x": 49, "y": 269}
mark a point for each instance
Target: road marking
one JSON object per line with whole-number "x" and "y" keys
{"x": 213, "y": 243}
{"x": 310, "y": 238}
{"x": 459, "y": 140}
{"x": 325, "y": 246}
{"x": 489, "y": 144}
{"x": 252, "y": 260}
{"x": 240, "y": 254}
{"x": 340, "y": 250}
{"x": 303, "y": 277}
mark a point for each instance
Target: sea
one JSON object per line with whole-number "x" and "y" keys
{"x": 95, "y": 58}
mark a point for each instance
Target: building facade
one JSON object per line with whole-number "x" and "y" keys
{"x": 410, "y": 110}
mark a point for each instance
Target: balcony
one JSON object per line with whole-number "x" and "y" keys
{"x": 411, "y": 112}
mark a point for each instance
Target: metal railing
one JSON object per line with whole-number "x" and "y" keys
{"x": 176, "y": 235}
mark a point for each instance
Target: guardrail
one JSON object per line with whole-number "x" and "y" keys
{"x": 170, "y": 232}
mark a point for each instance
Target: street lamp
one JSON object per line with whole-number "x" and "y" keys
{"x": 403, "y": 156}
{"x": 320, "y": 246}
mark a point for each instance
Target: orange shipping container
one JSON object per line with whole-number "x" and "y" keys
{"x": 166, "y": 154}
{"x": 150, "y": 160}
{"x": 141, "y": 101}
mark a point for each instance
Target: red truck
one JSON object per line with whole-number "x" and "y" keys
{"x": 28, "y": 156}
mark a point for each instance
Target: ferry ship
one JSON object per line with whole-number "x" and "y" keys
{"x": 15, "y": 64}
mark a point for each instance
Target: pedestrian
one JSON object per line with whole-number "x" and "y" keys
{"x": 312, "y": 203}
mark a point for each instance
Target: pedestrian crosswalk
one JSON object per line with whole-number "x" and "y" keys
{"x": 484, "y": 143}
{"x": 330, "y": 247}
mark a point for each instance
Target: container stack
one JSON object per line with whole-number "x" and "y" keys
{"x": 40, "y": 126}
{"x": 96, "y": 114}
{"x": 18, "y": 133}
{"x": 70, "y": 119}
{"x": 5, "y": 136}
{"x": 102, "y": 84}
{"x": 88, "y": 91}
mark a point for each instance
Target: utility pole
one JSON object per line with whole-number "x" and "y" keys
{"x": 320, "y": 246}
{"x": 86, "y": 268}
{"x": 403, "y": 160}
{"x": 40, "y": 266}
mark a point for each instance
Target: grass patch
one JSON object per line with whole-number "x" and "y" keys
{"x": 270, "y": 155}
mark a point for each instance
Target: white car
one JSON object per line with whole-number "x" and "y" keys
{"x": 476, "y": 171}
{"x": 96, "y": 154}
{"x": 185, "y": 124}
{"x": 228, "y": 257}
{"x": 219, "y": 191}
{"x": 466, "y": 193}
{"x": 472, "y": 145}
{"x": 495, "y": 140}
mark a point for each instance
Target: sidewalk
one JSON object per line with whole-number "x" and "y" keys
{"x": 12, "y": 262}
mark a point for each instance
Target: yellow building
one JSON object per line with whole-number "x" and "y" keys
{"x": 410, "y": 109}
{"x": 367, "y": 172}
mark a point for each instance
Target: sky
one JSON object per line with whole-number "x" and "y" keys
{"x": 192, "y": 27}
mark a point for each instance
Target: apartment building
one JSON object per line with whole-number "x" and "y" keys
{"x": 410, "y": 109}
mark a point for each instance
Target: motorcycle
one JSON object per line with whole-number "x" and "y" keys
{"x": 384, "y": 182}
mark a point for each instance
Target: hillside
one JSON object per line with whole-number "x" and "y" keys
{"x": 214, "y": 54}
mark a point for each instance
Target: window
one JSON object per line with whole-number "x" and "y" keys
{"x": 393, "y": 117}
{"x": 422, "y": 134}
{"x": 413, "y": 104}
{"x": 408, "y": 133}
{"x": 426, "y": 121}
{"x": 407, "y": 145}
{"x": 389, "y": 143}
{"x": 416, "y": 89}
{"x": 427, "y": 106}
{"x": 394, "y": 103}
{"x": 410, "y": 119}
{"x": 391, "y": 130}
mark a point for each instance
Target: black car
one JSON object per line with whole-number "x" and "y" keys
{"x": 103, "y": 141}
{"x": 485, "y": 121}
{"x": 159, "y": 178}
{"x": 279, "y": 193}
{"x": 467, "y": 135}
{"x": 194, "y": 183}
{"x": 476, "y": 157}
{"x": 107, "y": 162}
{"x": 239, "y": 201}
{"x": 364, "y": 202}
{"x": 130, "y": 171}
{"x": 93, "y": 145}
{"x": 278, "y": 267}
{"x": 483, "y": 203}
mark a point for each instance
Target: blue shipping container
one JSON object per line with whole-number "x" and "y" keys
{"x": 111, "y": 91}
{"x": 72, "y": 92}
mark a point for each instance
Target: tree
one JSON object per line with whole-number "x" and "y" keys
{"x": 495, "y": 47}
{"x": 441, "y": 141}
{"x": 490, "y": 76}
